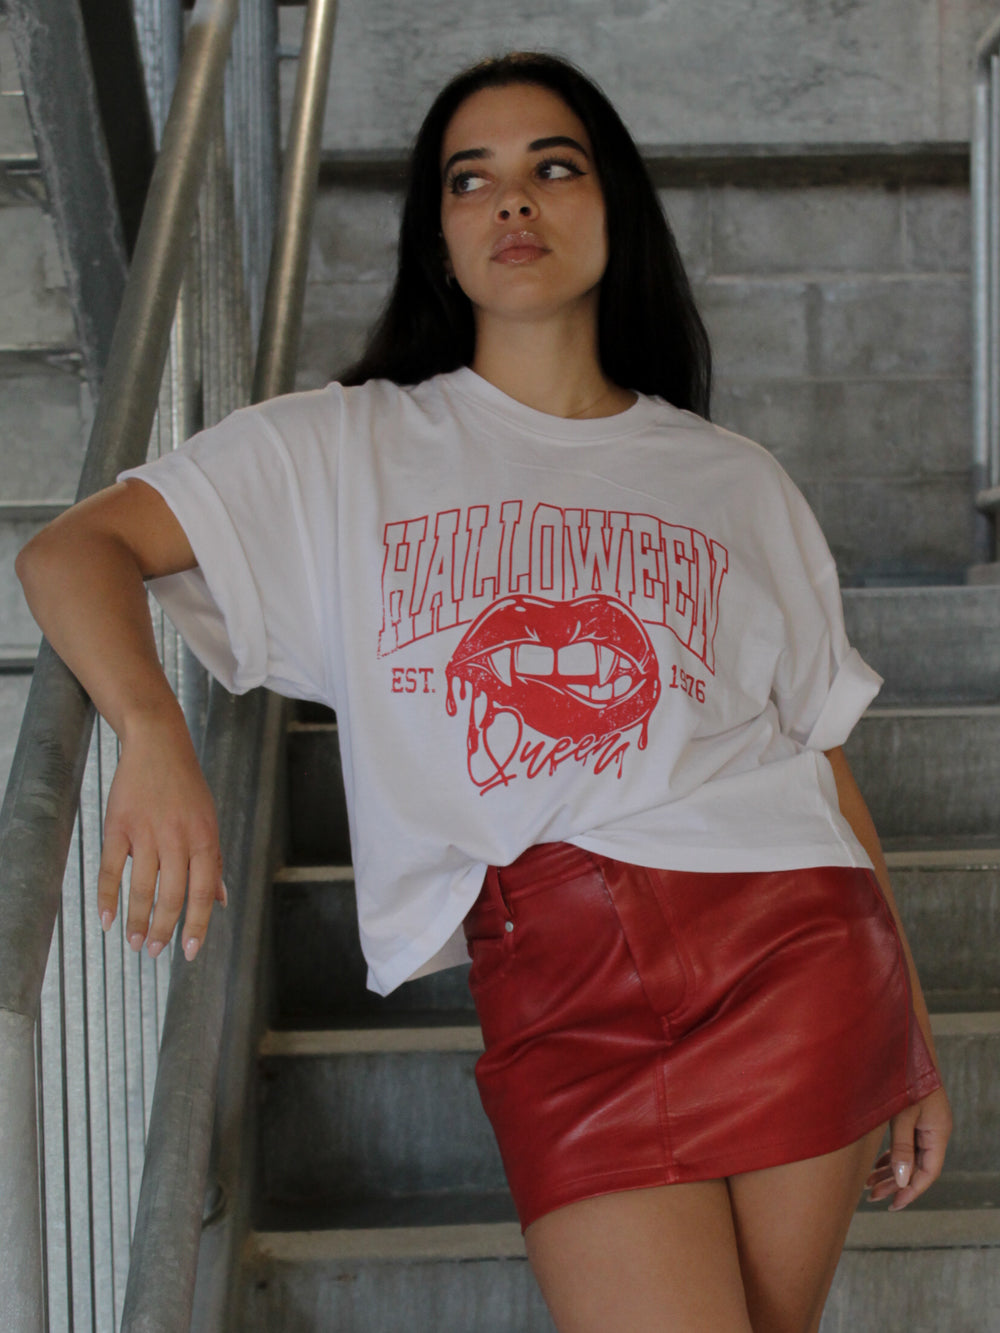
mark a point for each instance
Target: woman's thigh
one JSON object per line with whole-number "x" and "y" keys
{"x": 755, "y": 1254}
{"x": 791, "y": 1222}
{"x": 642, "y": 1261}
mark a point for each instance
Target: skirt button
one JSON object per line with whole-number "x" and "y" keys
{"x": 508, "y": 926}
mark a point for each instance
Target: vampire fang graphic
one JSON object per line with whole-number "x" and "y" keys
{"x": 583, "y": 670}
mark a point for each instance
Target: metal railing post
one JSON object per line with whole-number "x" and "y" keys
{"x": 286, "y": 279}
{"x": 22, "y": 1292}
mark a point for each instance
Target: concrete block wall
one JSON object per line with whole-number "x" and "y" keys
{"x": 746, "y": 72}
{"x": 840, "y": 318}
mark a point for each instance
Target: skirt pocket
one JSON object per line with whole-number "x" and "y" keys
{"x": 489, "y": 935}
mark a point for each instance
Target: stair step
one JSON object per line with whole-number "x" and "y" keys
{"x": 357, "y": 1116}
{"x": 465, "y": 1279}
{"x": 930, "y": 1268}
{"x": 929, "y": 772}
{"x": 319, "y": 972}
{"x": 13, "y": 696}
{"x": 35, "y": 313}
{"x": 968, "y": 1046}
{"x": 939, "y": 644}
{"x": 44, "y": 420}
{"x": 949, "y": 900}
{"x": 440, "y": 1209}
{"x": 466, "y": 1036}
{"x": 962, "y": 1208}
{"x": 367, "y": 1122}
{"x": 373, "y": 1041}
{"x": 317, "y": 811}
{"x": 19, "y": 635}
{"x": 961, "y": 1001}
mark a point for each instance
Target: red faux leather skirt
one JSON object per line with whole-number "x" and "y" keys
{"x": 644, "y": 1027}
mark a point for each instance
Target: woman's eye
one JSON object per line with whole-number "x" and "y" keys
{"x": 554, "y": 169}
{"x": 464, "y": 182}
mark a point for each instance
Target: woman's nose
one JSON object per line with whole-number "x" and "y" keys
{"x": 516, "y": 203}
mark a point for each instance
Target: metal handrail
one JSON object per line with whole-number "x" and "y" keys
{"x": 239, "y": 757}
{"x": 43, "y": 791}
{"x": 286, "y": 279}
{"x": 986, "y": 274}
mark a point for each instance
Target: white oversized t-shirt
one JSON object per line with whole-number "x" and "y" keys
{"x": 624, "y": 633}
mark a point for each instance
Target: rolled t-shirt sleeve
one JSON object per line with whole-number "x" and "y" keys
{"x": 822, "y": 685}
{"x": 251, "y": 610}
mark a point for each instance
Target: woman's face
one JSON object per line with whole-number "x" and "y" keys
{"x": 522, "y": 211}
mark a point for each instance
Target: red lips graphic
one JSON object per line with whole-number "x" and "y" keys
{"x": 581, "y": 669}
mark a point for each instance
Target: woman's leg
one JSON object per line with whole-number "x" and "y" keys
{"x": 755, "y": 1254}
{"x": 642, "y": 1261}
{"x": 791, "y": 1223}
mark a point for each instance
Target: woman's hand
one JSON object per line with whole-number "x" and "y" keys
{"x": 161, "y": 813}
{"x": 83, "y": 577}
{"x": 920, "y": 1135}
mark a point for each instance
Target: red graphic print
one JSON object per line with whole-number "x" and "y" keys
{"x": 447, "y": 569}
{"x": 581, "y": 672}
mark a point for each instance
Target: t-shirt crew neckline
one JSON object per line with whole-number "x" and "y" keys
{"x": 571, "y": 430}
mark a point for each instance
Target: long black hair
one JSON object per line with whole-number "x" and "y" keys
{"x": 650, "y": 335}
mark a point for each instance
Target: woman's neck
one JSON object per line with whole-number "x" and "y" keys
{"x": 552, "y": 369}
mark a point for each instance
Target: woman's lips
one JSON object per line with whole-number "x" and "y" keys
{"x": 518, "y": 247}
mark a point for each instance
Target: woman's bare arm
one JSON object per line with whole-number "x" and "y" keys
{"x": 83, "y": 577}
{"x": 920, "y": 1133}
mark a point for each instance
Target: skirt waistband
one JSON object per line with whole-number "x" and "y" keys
{"x": 540, "y": 862}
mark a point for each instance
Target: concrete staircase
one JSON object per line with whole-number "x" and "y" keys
{"x": 381, "y": 1203}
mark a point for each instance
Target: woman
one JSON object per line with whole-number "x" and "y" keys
{"x": 583, "y": 641}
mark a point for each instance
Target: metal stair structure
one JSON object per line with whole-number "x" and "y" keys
{"x": 380, "y": 1199}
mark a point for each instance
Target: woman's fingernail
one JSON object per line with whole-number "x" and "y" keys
{"x": 135, "y": 941}
{"x": 902, "y": 1170}
{"x": 155, "y": 948}
{"x": 190, "y": 948}
{"x": 106, "y": 920}
{"x": 225, "y": 895}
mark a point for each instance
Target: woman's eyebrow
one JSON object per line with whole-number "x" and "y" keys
{"x": 466, "y": 154}
{"x": 536, "y": 146}
{"x": 558, "y": 141}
